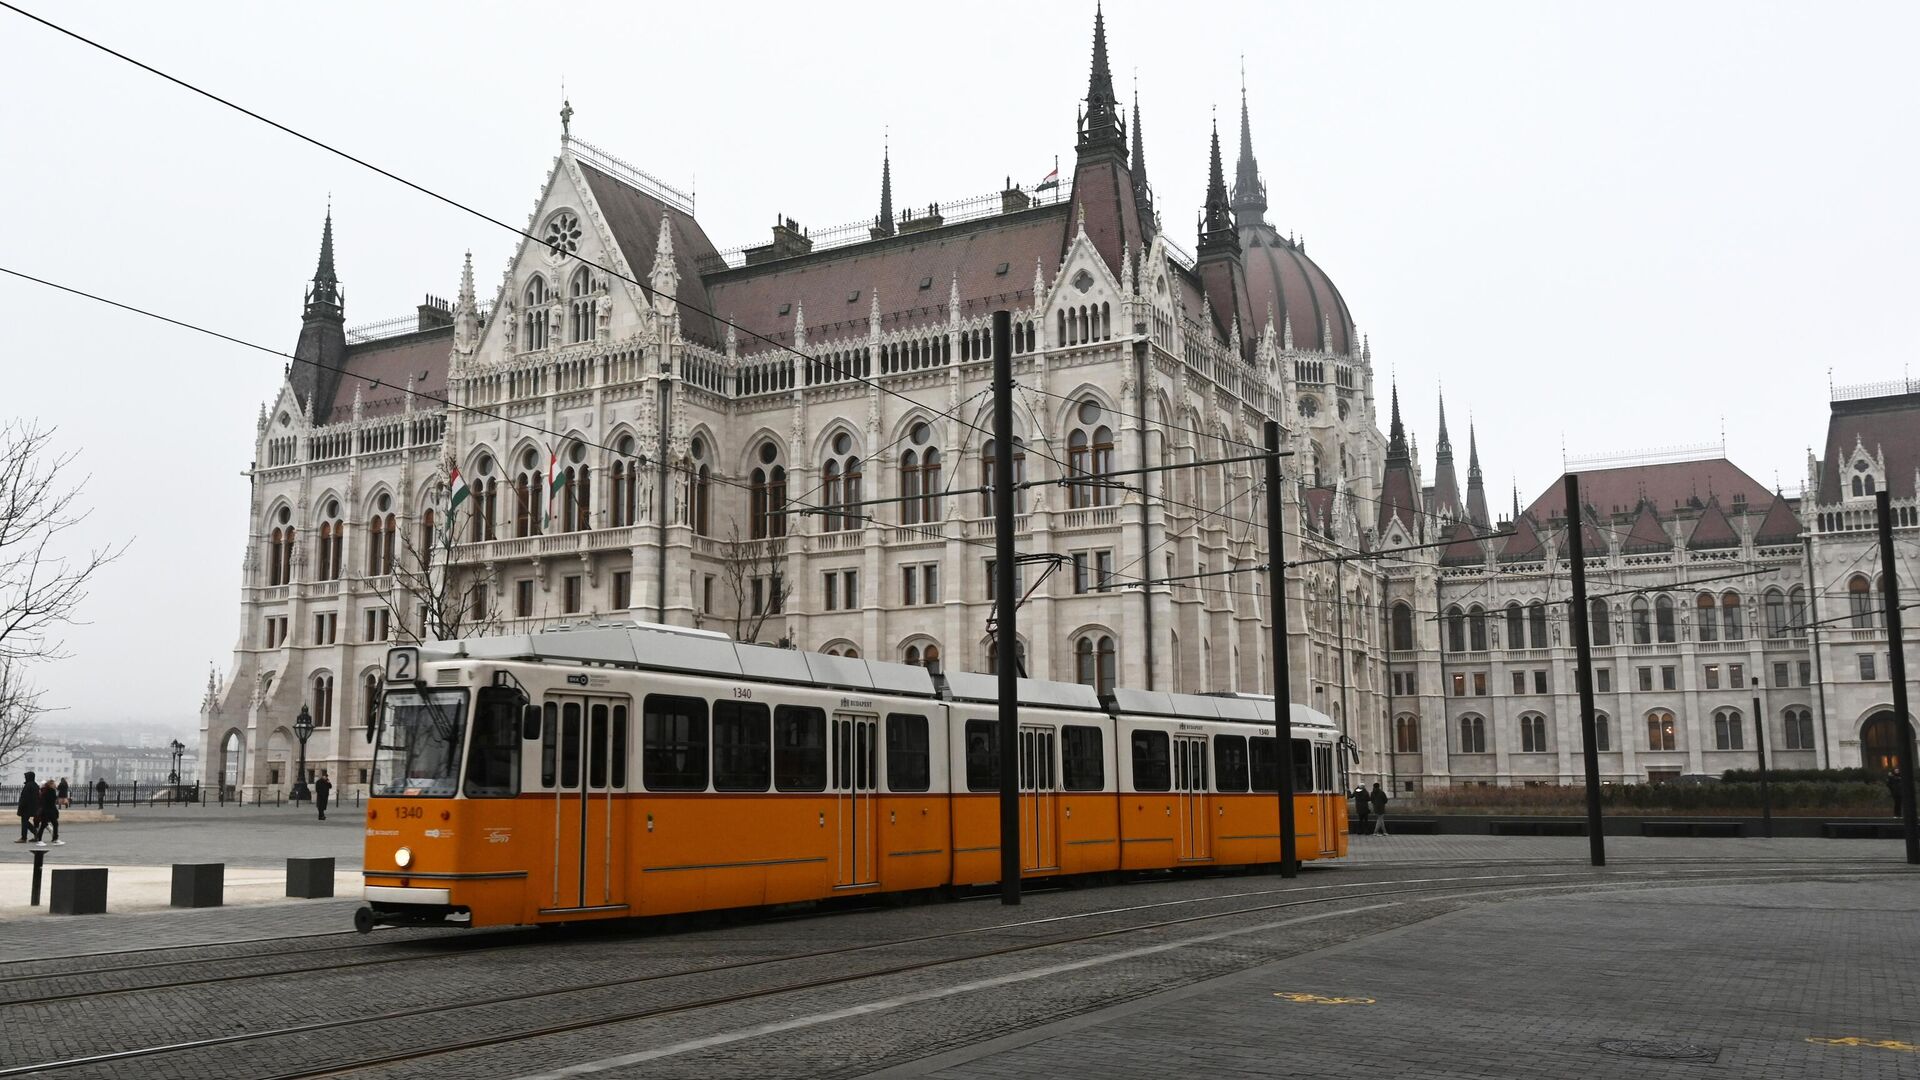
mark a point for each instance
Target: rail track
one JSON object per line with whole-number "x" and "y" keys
{"x": 513, "y": 1025}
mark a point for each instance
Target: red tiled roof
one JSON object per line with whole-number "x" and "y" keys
{"x": 1647, "y": 533}
{"x": 1713, "y": 530}
{"x": 1466, "y": 549}
{"x": 1668, "y": 487}
{"x": 1884, "y": 425}
{"x": 634, "y": 217}
{"x": 1780, "y": 526}
{"x": 423, "y": 356}
{"x": 1396, "y": 498}
{"x": 1105, "y": 189}
{"x": 1525, "y": 541}
{"x": 752, "y": 296}
{"x": 1280, "y": 275}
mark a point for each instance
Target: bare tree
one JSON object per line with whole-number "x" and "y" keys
{"x": 41, "y": 587}
{"x": 755, "y": 572}
{"x": 432, "y": 598}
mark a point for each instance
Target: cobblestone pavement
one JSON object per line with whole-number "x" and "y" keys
{"x": 1665, "y": 938}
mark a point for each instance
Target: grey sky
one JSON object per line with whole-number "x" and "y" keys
{"x": 1619, "y": 225}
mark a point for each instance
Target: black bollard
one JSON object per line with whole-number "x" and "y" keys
{"x": 38, "y": 858}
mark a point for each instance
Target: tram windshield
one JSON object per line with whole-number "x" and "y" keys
{"x": 419, "y": 749}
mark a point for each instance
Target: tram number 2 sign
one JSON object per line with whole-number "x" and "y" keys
{"x": 403, "y": 666}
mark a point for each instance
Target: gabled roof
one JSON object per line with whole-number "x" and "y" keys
{"x": 634, "y": 217}
{"x": 1668, "y": 487}
{"x": 1525, "y": 541}
{"x": 1888, "y": 425}
{"x": 1780, "y": 526}
{"x": 1466, "y": 548}
{"x": 1647, "y": 534}
{"x": 421, "y": 356}
{"x": 1713, "y": 530}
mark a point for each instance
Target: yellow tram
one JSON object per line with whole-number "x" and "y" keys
{"x": 629, "y": 770}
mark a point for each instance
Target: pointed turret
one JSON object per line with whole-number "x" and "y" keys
{"x": 1103, "y": 188}
{"x": 321, "y": 353}
{"x": 1217, "y": 235}
{"x": 1142, "y": 190}
{"x": 466, "y": 310}
{"x": 1100, "y": 127}
{"x": 1220, "y": 266}
{"x": 1249, "y": 194}
{"x": 1397, "y": 485}
{"x": 1446, "y": 483}
{"x": 883, "y": 225}
{"x": 1476, "y": 486}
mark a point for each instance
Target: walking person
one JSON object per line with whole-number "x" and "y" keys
{"x": 1896, "y": 786}
{"x": 1360, "y": 809}
{"x": 1379, "y": 799}
{"x": 63, "y": 792}
{"x": 49, "y": 814}
{"x": 29, "y": 808}
{"x": 322, "y": 788}
{"x": 100, "y": 790}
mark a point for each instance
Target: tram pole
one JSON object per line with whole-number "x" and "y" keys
{"x": 1583, "y": 669}
{"x": 1897, "y": 671}
{"x": 1282, "y": 689}
{"x": 1007, "y": 641}
{"x": 1760, "y": 747}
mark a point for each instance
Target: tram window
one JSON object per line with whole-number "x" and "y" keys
{"x": 1263, "y": 763}
{"x": 597, "y": 745}
{"x": 742, "y": 752}
{"x": 1152, "y": 769}
{"x": 549, "y": 743}
{"x": 570, "y": 745}
{"x": 674, "y": 743}
{"x": 1302, "y": 765}
{"x": 908, "y": 767}
{"x": 620, "y": 747}
{"x": 1083, "y": 765}
{"x": 799, "y": 749}
{"x": 493, "y": 756}
{"x": 1230, "y": 762}
{"x": 983, "y": 755}
{"x": 863, "y": 769}
{"x": 1323, "y": 767}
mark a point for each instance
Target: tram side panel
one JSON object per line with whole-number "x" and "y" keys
{"x": 1146, "y": 799}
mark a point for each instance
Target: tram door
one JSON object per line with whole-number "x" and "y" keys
{"x": 1039, "y": 803}
{"x": 856, "y": 782}
{"x": 1194, "y": 828}
{"x": 584, "y": 759}
{"x": 1325, "y": 781}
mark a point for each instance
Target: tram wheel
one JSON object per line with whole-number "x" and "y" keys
{"x": 363, "y": 920}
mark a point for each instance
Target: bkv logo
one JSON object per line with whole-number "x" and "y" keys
{"x": 577, "y": 680}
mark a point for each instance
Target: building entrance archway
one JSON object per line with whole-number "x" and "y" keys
{"x": 1880, "y": 742}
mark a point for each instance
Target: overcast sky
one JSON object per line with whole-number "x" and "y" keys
{"x": 1608, "y": 226}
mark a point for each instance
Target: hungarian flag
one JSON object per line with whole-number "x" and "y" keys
{"x": 1051, "y": 180}
{"x": 457, "y": 484}
{"x": 555, "y": 481}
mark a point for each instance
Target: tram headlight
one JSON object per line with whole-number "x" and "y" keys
{"x": 403, "y": 858}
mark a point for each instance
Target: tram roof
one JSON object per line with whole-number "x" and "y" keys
{"x": 973, "y": 686}
{"x": 1246, "y": 708}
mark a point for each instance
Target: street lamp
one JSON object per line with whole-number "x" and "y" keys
{"x": 302, "y": 730}
{"x": 173, "y": 777}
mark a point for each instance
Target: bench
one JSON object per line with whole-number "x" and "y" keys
{"x": 1541, "y": 827}
{"x": 1862, "y": 830}
{"x": 1692, "y": 827}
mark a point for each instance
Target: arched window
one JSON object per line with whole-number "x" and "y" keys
{"x": 922, "y": 654}
{"x": 1799, "y": 728}
{"x": 624, "y": 489}
{"x": 1402, "y": 626}
{"x": 1727, "y": 730}
{"x": 280, "y": 544}
{"x": 1477, "y": 628}
{"x": 380, "y": 529}
{"x": 1705, "y": 617}
{"x": 1732, "y": 627}
{"x": 529, "y": 495}
{"x": 1776, "y": 613}
{"x": 1406, "y": 734}
{"x": 322, "y": 706}
{"x": 580, "y": 306}
{"x": 1537, "y": 624}
{"x": 767, "y": 498}
{"x": 1473, "y": 734}
{"x": 840, "y": 486}
{"x": 576, "y": 492}
{"x": 993, "y": 656}
{"x": 841, "y": 648}
{"x": 1456, "y": 630}
{"x": 1661, "y": 730}
{"x": 1797, "y": 608}
{"x": 536, "y": 314}
{"x": 1602, "y": 737}
{"x": 1642, "y": 632}
{"x": 1599, "y": 623}
{"x": 700, "y": 512}
{"x": 333, "y": 538}
{"x": 1663, "y": 618}
{"x": 1860, "y": 601}
{"x": 920, "y": 477}
{"x": 1089, "y": 457}
{"x": 1516, "y": 625}
{"x": 426, "y": 534}
{"x": 1093, "y": 661}
{"x": 1533, "y": 733}
{"x": 987, "y": 453}
{"x": 370, "y": 686}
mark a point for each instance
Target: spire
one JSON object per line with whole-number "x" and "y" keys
{"x": 324, "y": 300}
{"x": 1396, "y": 432}
{"x": 1100, "y": 126}
{"x": 1446, "y": 444}
{"x": 1476, "y": 488}
{"x": 1446, "y": 482}
{"x": 321, "y": 352}
{"x": 883, "y": 225}
{"x": 1397, "y": 487}
{"x": 1216, "y": 228}
{"x": 1249, "y": 194}
{"x": 1142, "y": 190}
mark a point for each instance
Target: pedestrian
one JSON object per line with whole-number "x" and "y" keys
{"x": 1379, "y": 799}
{"x": 29, "y": 808}
{"x": 64, "y": 792}
{"x": 100, "y": 790}
{"x": 1896, "y": 786}
{"x": 322, "y": 788}
{"x": 49, "y": 814}
{"x": 1360, "y": 807}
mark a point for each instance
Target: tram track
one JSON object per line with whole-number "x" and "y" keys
{"x": 1439, "y": 888}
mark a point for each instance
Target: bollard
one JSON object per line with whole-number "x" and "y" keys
{"x": 79, "y": 892}
{"x": 310, "y": 879}
{"x": 39, "y": 857}
{"x": 199, "y": 884}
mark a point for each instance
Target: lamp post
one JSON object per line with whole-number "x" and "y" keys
{"x": 302, "y": 730}
{"x": 173, "y": 777}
